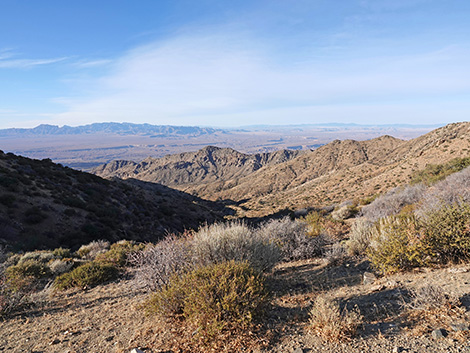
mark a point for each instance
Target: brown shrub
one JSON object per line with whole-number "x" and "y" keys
{"x": 331, "y": 323}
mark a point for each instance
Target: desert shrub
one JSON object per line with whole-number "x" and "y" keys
{"x": 61, "y": 253}
{"x": 436, "y": 172}
{"x": 359, "y": 236}
{"x": 392, "y": 202}
{"x": 223, "y": 242}
{"x": 454, "y": 189}
{"x": 447, "y": 233}
{"x": 214, "y": 297}
{"x": 344, "y": 211}
{"x": 429, "y": 307}
{"x": 395, "y": 244}
{"x": 431, "y": 297}
{"x": 25, "y": 274}
{"x": 314, "y": 221}
{"x": 367, "y": 200}
{"x": 156, "y": 264}
{"x": 90, "y": 251}
{"x": 119, "y": 252}
{"x": 59, "y": 266}
{"x": 292, "y": 238}
{"x": 336, "y": 254}
{"x": 89, "y": 274}
{"x": 39, "y": 256}
{"x": 11, "y": 297}
{"x": 331, "y": 323}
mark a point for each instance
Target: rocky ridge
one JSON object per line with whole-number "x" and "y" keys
{"x": 337, "y": 171}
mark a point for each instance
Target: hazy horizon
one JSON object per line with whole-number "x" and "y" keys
{"x": 253, "y": 126}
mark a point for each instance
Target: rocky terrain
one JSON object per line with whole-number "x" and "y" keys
{"x": 205, "y": 166}
{"x": 336, "y": 172}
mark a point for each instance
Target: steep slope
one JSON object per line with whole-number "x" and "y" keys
{"x": 44, "y": 205}
{"x": 207, "y": 165}
{"x": 387, "y": 169}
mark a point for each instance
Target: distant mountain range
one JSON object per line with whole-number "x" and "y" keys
{"x": 169, "y": 130}
{"x": 112, "y": 128}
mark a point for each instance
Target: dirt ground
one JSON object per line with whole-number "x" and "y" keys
{"x": 107, "y": 318}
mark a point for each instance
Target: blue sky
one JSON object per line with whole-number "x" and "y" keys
{"x": 232, "y": 63}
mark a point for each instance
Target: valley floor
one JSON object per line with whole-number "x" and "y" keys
{"x": 107, "y": 318}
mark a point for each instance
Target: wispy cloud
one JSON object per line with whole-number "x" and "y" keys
{"x": 92, "y": 63}
{"x": 9, "y": 60}
{"x": 228, "y": 80}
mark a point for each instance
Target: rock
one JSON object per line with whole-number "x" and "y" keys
{"x": 377, "y": 288}
{"x": 459, "y": 326}
{"x": 56, "y": 341}
{"x": 298, "y": 350}
{"x": 397, "y": 349}
{"x": 458, "y": 270}
{"x": 137, "y": 350}
{"x": 368, "y": 278}
{"x": 439, "y": 333}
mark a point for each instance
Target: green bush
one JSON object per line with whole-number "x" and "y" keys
{"x": 61, "y": 253}
{"x": 314, "y": 221}
{"x": 24, "y": 274}
{"x": 447, "y": 233}
{"x": 118, "y": 253}
{"x": 436, "y": 172}
{"x": 395, "y": 244}
{"x": 213, "y": 298}
{"x": 89, "y": 274}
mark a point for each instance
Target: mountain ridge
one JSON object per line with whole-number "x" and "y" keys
{"x": 115, "y": 128}
{"x": 334, "y": 170}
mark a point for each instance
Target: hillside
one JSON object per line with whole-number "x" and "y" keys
{"x": 332, "y": 173}
{"x": 44, "y": 205}
{"x": 205, "y": 166}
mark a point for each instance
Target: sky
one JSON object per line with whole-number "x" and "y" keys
{"x": 234, "y": 63}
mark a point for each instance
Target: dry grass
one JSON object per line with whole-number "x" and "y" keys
{"x": 331, "y": 323}
{"x": 430, "y": 308}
